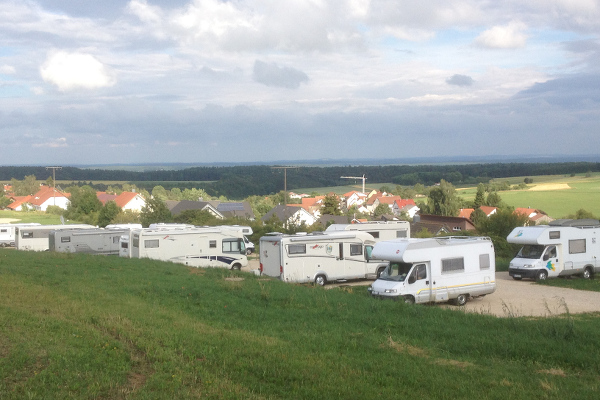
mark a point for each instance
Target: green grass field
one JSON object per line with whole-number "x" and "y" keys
{"x": 81, "y": 327}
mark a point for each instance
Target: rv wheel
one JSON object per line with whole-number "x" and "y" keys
{"x": 541, "y": 275}
{"x": 236, "y": 267}
{"x": 587, "y": 273}
{"x": 320, "y": 280}
{"x": 409, "y": 300}
{"x": 461, "y": 300}
{"x": 248, "y": 252}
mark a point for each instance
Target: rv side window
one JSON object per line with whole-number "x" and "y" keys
{"x": 65, "y": 239}
{"x": 151, "y": 244}
{"x": 116, "y": 239}
{"x": 374, "y": 234}
{"x": 576, "y": 246}
{"x": 484, "y": 261}
{"x": 27, "y": 235}
{"x": 453, "y": 265}
{"x": 212, "y": 244}
{"x": 4, "y": 230}
{"x": 231, "y": 246}
{"x": 554, "y": 234}
{"x": 356, "y": 249}
{"x": 400, "y": 234}
{"x": 124, "y": 245}
{"x": 421, "y": 271}
{"x": 136, "y": 241}
{"x": 296, "y": 249}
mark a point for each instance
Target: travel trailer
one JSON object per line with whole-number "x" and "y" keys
{"x": 196, "y": 247}
{"x": 436, "y": 269}
{"x": 380, "y": 230}
{"x": 91, "y": 241}
{"x": 7, "y": 233}
{"x": 36, "y": 238}
{"x": 319, "y": 257}
{"x": 564, "y": 247}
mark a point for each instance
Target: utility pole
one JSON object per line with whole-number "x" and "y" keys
{"x": 356, "y": 177}
{"x": 54, "y": 181}
{"x": 284, "y": 182}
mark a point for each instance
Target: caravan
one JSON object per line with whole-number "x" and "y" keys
{"x": 90, "y": 241}
{"x": 436, "y": 269}
{"x": 318, "y": 257}
{"x": 196, "y": 247}
{"x": 564, "y": 247}
{"x": 7, "y": 233}
{"x": 380, "y": 230}
{"x": 36, "y": 238}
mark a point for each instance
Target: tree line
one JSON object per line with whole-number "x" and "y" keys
{"x": 238, "y": 182}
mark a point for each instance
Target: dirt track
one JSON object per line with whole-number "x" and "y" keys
{"x": 517, "y": 298}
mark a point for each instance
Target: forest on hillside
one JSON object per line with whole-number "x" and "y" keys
{"x": 238, "y": 182}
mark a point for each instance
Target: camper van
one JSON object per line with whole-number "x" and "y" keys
{"x": 319, "y": 257}
{"x": 246, "y": 230}
{"x": 196, "y": 247}
{"x": 380, "y": 230}
{"x": 90, "y": 241}
{"x": 7, "y": 233}
{"x": 436, "y": 269}
{"x": 564, "y": 247}
{"x": 36, "y": 238}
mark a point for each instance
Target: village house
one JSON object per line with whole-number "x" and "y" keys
{"x": 438, "y": 225}
{"x": 41, "y": 200}
{"x": 290, "y": 215}
{"x": 126, "y": 200}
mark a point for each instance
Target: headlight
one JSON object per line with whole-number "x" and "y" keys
{"x": 390, "y": 291}
{"x": 527, "y": 266}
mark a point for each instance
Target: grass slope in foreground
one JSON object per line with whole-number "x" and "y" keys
{"x": 77, "y": 326}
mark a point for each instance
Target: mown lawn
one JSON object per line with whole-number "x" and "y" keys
{"x": 78, "y": 326}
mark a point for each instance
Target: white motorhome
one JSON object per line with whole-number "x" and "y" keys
{"x": 7, "y": 233}
{"x": 318, "y": 257}
{"x": 196, "y": 247}
{"x": 436, "y": 269}
{"x": 90, "y": 241}
{"x": 380, "y": 230}
{"x": 36, "y": 238}
{"x": 564, "y": 247}
{"x": 246, "y": 230}
{"x": 125, "y": 240}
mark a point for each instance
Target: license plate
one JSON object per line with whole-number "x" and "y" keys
{"x": 375, "y": 293}
{"x": 517, "y": 275}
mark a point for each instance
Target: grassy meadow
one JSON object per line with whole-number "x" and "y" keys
{"x": 82, "y": 327}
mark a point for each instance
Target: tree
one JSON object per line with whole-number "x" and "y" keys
{"x": 84, "y": 205}
{"x": 160, "y": 193}
{"x": 155, "y": 211}
{"x": 480, "y": 196}
{"x": 494, "y": 200}
{"x": 442, "y": 200}
{"x": 331, "y": 206}
{"x": 107, "y": 214}
{"x": 381, "y": 209}
{"x": 27, "y": 187}
{"x": 498, "y": 226}
{"x": 196, "y": 217}
{"x": 477, "y": 216}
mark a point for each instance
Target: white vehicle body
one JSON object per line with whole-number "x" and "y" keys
{"x": 90, "y": 241}
{"x": 196, "y": 247}
{"x": 7, "y": 233}
{"x": 380, "y": 230}
{"x": 436, "y": 269}
{"x": 565, "y": 247}
{"x": 318, "y": 257}
{"x": 36, "y": 238}
{"x": 246, "y": 230}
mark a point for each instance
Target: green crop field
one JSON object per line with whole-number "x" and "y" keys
{"x": 85, "y": 327}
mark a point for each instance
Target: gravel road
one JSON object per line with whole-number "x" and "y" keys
{"x": 516, "y": 298}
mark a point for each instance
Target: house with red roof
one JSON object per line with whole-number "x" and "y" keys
{"x": 535, "y": 216}
{"x": 354, "y": 198}
{"x": 41, "y": 200}
{"x": 407, "y": 206}
{"x": 130, "y": 201}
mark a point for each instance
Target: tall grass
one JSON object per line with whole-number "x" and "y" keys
{"x": 77, "y": 326}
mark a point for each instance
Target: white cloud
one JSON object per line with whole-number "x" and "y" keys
{"x": 7, "y": 69}
{"x": 510, "y": 36}
{"x": 74, "y": 71}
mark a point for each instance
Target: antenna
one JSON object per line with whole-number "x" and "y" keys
{"x": 356, "y": 177}
{"x": 54, "y": 181}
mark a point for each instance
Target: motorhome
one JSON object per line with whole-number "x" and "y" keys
{"x": 319, "y": 257}
{"x": 564, "y": 247}
{"x": 436, "y": 269}
{"x": 7, "y": 233}
{"x": 125, "y": 240}
{"x": 36, "y": 238}
{"x": 246, "y": 230}
{"x": 380, "y": 230}
{"x": 91, "y": 241}
{"x": 196, "y": 247}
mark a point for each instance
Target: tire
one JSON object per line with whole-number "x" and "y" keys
{"x": 587, "y": 273}
{"x": 409, "y": 300}
{"x": 517, "y": 279}
{"x": 461, "y": 299}
{"x": 236, "y": 267}
{"x": 542, "y": 275}
{"x": 248, "y": 252}
{"x": 320, "y": 280}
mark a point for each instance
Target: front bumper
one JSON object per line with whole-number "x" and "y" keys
{"x": 523, "y": 273}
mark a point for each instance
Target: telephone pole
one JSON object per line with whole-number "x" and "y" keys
{"x": 284, "y": 182}
{"x": 54, "y": 181}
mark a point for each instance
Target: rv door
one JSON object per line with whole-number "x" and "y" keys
{"x": 419, "y": 283}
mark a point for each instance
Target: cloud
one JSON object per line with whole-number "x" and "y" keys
{"x": 273, "y": 75}
{"x": 71, "y": 71}
{"x": 510, "y": 36}
{"x": 7, "y": 70}
{"x": 460, "y": 80}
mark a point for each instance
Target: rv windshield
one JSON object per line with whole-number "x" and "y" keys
{"x": 532, "y": 251}
{"x": 396, "y": 271}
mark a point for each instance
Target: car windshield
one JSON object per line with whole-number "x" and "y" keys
{"x": 531, "y": 251}
{"x": 396, "y": 271}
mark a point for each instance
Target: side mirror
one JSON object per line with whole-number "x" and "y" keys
{"x": 546, "y": 257}
{"x": 411, "y": 279}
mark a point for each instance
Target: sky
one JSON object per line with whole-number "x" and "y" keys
{"x": 203, "y": 81}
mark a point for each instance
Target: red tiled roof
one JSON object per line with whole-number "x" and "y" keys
{"x": 124, "y": 198}
{"x": 45, "y": 193}
{"x": 105, "y": 197}
{"x": 488, "y": 210}
{"x": 465, "y": 212}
